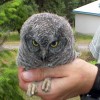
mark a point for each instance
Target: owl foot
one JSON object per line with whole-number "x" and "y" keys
{"x": 32, "y": 89}
{"x": 46, "y": 85}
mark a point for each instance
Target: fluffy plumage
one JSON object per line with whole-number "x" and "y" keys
{"x": 46, "y": 41}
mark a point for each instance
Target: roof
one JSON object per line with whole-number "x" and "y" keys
{"x": 90, "y": 9}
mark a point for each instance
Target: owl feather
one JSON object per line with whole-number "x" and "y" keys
{"x": 46, "y": 40}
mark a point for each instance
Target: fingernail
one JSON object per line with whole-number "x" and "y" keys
{"x": 27, "y": 76}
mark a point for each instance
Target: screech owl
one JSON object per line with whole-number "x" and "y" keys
{"x": 46, "y": 41}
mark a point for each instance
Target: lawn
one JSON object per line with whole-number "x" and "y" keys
{"x": 14, "y": 36}
{"x": 82, "y": 39}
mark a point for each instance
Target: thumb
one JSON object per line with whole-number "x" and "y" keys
{"x": 42, "y": 73}
{"x": 32, "y": 75}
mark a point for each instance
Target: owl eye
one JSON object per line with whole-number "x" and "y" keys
{"x": 35, "y": 43}
{"x": 54, "y": 44}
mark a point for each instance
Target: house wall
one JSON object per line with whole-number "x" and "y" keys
{"x": 86, "y": 24}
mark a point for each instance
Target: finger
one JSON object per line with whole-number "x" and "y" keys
{"x": 32, "y": 75}
{"x": 42, "y": 73}
{"x": 54, "y": 93}
{"x": 60, "y": 88}
{"x": 20, "y": 70}
{"x": 23, "y": 85}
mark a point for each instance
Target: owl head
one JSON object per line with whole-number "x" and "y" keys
{"x": 46, "y": 41}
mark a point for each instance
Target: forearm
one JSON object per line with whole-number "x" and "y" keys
{"x": 95, "y": 91}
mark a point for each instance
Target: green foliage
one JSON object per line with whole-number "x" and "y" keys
{"x": 83, "y": 2}
{"x": 8, "y": 85}
{"x": 61, "y": 7}
{"x": 8, "y": 77}
{"x": 3, "y": 1}
{"x": 54, "y": 6}
{"x": 3, "y": 36}
{"x": 69, "y": 6}
{"x": 14, "y": 13}
{"x": 7, "y": 58}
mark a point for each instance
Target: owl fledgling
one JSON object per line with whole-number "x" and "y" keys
{"x": 46, "y": 41}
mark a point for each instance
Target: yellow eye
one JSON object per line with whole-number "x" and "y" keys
{"x": 35, "y": 43}
{"x": 54, "y": 44}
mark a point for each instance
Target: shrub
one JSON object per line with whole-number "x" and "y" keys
{"x": 9, "y": 89}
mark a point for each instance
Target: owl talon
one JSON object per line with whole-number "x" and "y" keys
{"x": 29, "y": 89}
{"x": 46, "y": 85}
{"x": 32, "y": 89}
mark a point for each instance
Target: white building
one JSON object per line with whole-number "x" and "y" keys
{"x": 87, "y": 18}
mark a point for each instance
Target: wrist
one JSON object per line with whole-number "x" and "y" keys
{"x": 96, "y": 85}
{"x": 95, "y": 90}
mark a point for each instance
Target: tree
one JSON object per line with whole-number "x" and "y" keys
{"x": 83, "y": 2}
{"x": 3, "y": 1}
{"x": 70, "y": 5}
{"x": 40, "y": 4}
{"x": 9, "y": 85}
{"x": 14, "y": 13}
{"x": 52, "y": 6}
{"x": 3, "y": 37}
{"x": 9, "y": 88}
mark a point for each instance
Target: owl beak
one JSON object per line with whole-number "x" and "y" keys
{"x": 43, "y": 55}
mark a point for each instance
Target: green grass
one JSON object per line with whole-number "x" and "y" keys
{"x": 93, "y": 62}
{"x": 14, "y": 36}
{"x": 87, "y": 56}
{"x": 11, "y": 37}
{"x": 81, "y": 38}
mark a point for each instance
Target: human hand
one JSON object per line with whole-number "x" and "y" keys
{"x": 67, "y": 80}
